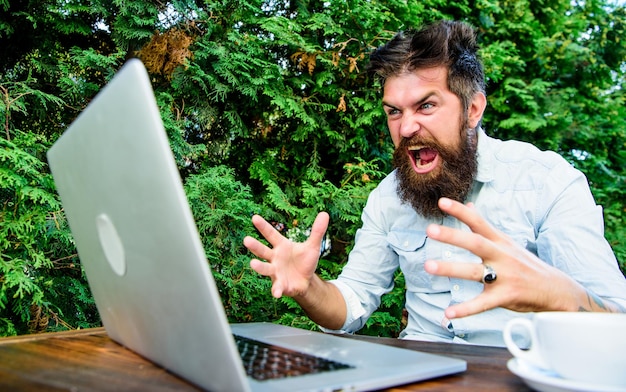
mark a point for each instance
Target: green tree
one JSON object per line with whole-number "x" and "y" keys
{"x": 556, "y": 74}
{"x": 269, "y": 110}
{"x": 40, "y": 276}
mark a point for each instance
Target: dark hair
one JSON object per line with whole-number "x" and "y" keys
{"x": 446, "y": 43}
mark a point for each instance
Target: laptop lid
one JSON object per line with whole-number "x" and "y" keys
{"x": 146, "y": 266}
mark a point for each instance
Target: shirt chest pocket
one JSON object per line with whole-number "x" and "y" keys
{"x": 408, "y": 241}
{"x": 413, "y": 250}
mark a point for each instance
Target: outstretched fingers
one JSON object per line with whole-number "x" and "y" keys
{"x": 481, "y": 240}
{"x": 477, "y": 305}
{"x": 467, "y": 271}
{"x": 261, "y": 250}
{"x": 273, "y": 236}
{"x": 290, "y": 265}
{"x": 262, "y": 268}
{"x": 473, "y": 242}
{"x": 318, "y": 230}
{"x": 257, "y": 248}
{"x": 469, "y": 216}
{"x": 268, "y": 231}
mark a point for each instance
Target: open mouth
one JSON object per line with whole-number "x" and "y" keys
{"x": 424, "y": 159}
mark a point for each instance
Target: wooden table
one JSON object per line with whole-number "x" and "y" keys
{"x": 88, "y": 360}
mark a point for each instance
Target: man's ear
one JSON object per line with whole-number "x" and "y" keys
{"x": 476, "y": 109}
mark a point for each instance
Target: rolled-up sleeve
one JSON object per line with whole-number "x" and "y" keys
{"x": 369, "y": 273}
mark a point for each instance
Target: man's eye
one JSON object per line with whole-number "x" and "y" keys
{"x": 427, "y": 106}
{"x": 391, "y": 112}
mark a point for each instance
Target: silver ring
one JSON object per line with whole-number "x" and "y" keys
{"x": 489, "y": 274}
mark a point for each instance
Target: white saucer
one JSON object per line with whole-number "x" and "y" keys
{"x": 546, "y": 381}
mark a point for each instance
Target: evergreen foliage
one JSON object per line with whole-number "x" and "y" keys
{"x": 268, "y": 111}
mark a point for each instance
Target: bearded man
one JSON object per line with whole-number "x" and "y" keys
{"x": 529, "y": 239}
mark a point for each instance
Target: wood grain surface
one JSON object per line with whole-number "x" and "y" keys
{"x": 88, "y": 360}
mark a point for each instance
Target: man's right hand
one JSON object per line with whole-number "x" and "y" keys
{"x": 290, "y": 265}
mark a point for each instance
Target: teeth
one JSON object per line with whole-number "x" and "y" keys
{"x": 414, "y": 151}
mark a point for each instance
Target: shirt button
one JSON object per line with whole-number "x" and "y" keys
{"x": 456, "y": 287}
{"x": 448, "y": 254}
{"x": 461, "y": 335}
{"x": 406, "y": 243}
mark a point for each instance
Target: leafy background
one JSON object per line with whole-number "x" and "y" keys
{"x": 268, "y": 111}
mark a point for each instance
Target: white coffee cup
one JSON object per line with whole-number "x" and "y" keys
{"x": 579, "y": 346}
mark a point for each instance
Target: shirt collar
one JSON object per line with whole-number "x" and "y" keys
{"x": 485, "y": 157}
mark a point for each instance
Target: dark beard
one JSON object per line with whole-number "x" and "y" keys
{"x": 453, "y": 179}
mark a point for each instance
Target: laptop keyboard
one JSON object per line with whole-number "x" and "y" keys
{"x": 265, "y": 362}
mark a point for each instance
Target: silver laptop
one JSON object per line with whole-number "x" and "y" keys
{"x": 147, "y": 270}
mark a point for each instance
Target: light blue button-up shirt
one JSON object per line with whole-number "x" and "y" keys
{"x": 535, "y": 197}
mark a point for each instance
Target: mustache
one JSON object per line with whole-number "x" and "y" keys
{"x": 419, "y": 141}
{"x": 446, "y": 152}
